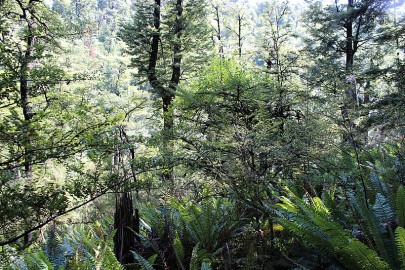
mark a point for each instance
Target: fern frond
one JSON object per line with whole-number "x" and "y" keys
{"x": 194, "y": 262}
{"x": 383, "y": 209}
{"x": 319, "y": 230}
{"x": 373, "y": 226}
{"x": 364, "y": 257}
{"x": 320, "y": 206}
{"x": 109, "y": 261}
{"x": 38, "y": 261}
{"x": 336, "y": 210}
{"x": 142, "y": 261}
{"x": 400, "y": 241}
{"x": 152, "y": 259}
{"x": 287, "y": 205}
{"x": 400, "y": 206}
{"x": 378, "y": 184}
{"x": 54, "y": 248}
{"x": 178, "y": 252}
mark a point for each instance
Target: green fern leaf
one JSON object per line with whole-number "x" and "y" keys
{"x": 378, "y": 184}
{"x": 320, "y": 206}
{"x": 108, "y": 260}
{"x": 317, "y": 228}
{"x": 195, "y": 258}
{"x": 373, "y": 225}
{"x": 400, "y": 241}
{"x": 400, "y": 205}
{"x": 363, "y": 257}
{"x": 38, "y": 261}
{"x": 152, "y": 259}
{"x": 383, "y": 209}
{"x": 53, "y": 248}
{"x": 178, "y": 252}
{"x": 142, "y": 261}
{"x": 287, "y": 205}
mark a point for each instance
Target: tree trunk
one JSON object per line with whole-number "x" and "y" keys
{"x": 27, "y": 112}
{"x": 240, "y": 35}
{"x": 26, "y": 65}
{"x": 169, "y": 95}
{"x": 349, "y": 38}
{"x": 152, "y": 77}
{"x": 125, "y": 222}
{"x": 167, "y": 136}
{"x": 350, "y": 93}
{"x": 219, "y": 34}
{"x": 350, "y": 97}
{"x": 126, "y": 225}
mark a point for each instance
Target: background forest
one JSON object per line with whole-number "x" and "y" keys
{"x": 195, "y": 134}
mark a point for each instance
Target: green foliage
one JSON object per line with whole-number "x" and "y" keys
{"x": 39, "y": 260}
{"x": 196, "y": 233}
{"x": 316, "y": 227}
{"x": 192, "y": 24}
{"x": 50, "y": 119}
{"x": 400, "y": 206}
{"x": 400, "y": 241}
{"x": 74, "y": 125}
{"x": 70, "y": 247}
{"x": 243, "y": 129}
{"x": 93, "y": 245}
{"x": 211, "y": 224}
{"x": 361, "y": 229}
{"x": 145, "y": 264}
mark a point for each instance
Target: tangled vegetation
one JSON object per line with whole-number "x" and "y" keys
{"x": 194, "y": 134}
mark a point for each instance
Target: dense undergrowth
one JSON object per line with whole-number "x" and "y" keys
{"x": 357, "y": 221}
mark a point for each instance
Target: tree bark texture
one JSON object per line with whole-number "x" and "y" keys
{"x": 126, "y": 224}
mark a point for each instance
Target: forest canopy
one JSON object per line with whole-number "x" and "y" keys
{"x": 196, "y": 134}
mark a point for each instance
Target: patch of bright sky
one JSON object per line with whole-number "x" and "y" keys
{"x": 48, "y": 2}
{"x": 401, "y": 3}
{"x": 294, "y": 2}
